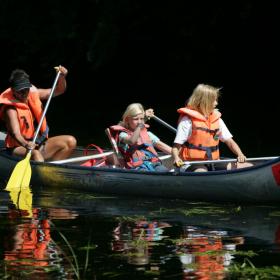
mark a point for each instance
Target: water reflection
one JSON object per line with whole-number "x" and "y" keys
{"x": 135, "y": 239}
{"x": 28, "y": 246}
{"x": 116, "y": 238}
{"x": 21, "y": 199}
{"x": 205, "y": 254}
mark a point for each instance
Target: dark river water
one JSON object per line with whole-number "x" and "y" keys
{"x": 64, "y": 234}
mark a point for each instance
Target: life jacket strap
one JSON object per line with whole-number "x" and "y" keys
{"x": 208, "y": 150}
{"x": 212, "y": 131}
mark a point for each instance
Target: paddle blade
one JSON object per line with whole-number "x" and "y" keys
{"x": 22, "y": 200}
{"x": 25, "y": 184}
{"x": 25, "y": 201}
{"x": 21, "y": 174}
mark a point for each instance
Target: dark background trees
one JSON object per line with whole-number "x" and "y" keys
{"x": 153, "y": 52}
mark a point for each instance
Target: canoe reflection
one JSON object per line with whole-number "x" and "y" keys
{"x": 136, "y": 238}
{"x": 28, "y": 246}
{"x": 205, "y": 254}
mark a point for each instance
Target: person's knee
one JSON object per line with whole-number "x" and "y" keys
{"x": 37, "y": 156}
{"x": 201, "y": 169}
{"x": 71, "y": 142}
{"x": 244, "y": 164}
{"x": 238, "y": 165}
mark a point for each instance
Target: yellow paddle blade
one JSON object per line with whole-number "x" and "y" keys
{"x": 22, "y": 199}
{"x": 14, "y": 195}
{"x": 25, "y": 201}
{"x": 25, "y": 184}
{"x": 21, "y": 174}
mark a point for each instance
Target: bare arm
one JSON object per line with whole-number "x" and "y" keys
{"x": 175, "y": 154}
{"x": 163, "y": 147}
{"x": 131, "y": 140}
{"x": 233, "y": 146}
{"x": 60, "y": 87}
{"x": 11, "y": 119}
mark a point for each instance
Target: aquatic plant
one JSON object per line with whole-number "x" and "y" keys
{"x": 75, "y": 263}
{"x": 247, "y": 270}
{"x": 201, "y": 210}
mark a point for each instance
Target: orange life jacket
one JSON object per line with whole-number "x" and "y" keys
{"x": 136, "y": 154}
{"x": 27, "y": 113}
{"x": 204, "y": 140}
{"x": 32, "y": 245}
{"x": 207, "y": 266}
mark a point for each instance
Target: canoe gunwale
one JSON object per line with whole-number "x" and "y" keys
{"x": 131, "y": 171}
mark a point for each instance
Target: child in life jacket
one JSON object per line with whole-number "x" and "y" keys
{"x": 137, "y": 144}
{"x": 200, "y": 129}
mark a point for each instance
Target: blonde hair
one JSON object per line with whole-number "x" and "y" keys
{"x": 132, "y": 110}
{"x": 203, "y": 97}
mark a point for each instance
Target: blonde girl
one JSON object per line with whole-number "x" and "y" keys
{"x": 200, "y": 129}
{"x": 136, "y": 143}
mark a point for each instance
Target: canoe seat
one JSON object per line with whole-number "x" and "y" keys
{"x": 117, "y": 158}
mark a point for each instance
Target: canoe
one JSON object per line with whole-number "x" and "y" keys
{"x": 257, "y": 184}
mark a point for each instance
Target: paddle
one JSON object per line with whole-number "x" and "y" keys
{"x": 22, "y": 199}
{"x": 21, "y": 174}
{"x": 227, "y": 160}
{"x": 119, "y": 160}
{"x": 83, "y": 158}
{"x": 164, "y": 123}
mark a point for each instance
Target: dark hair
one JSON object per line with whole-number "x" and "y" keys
{"x": 18, "y": 74}
{"x": 19, "y": 80}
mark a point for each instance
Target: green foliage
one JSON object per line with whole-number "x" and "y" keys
{"x": 132, "y": 219}
{"x": 249, "y": 253}
{"x": 75, "y": 263}
{"x": 274, "y": 214}
{"x": 247, "y": 270}
{"x": 202, "y": 210}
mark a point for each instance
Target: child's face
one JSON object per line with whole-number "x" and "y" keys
{"x": 215, "y": 103}
{"x": 212, "y": 106}
{"x": 134, "y": 121}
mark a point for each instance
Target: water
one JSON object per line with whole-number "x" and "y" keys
{"x": 65, "y": 234}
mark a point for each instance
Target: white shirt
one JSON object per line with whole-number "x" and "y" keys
{"x": 184, "y": 131}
